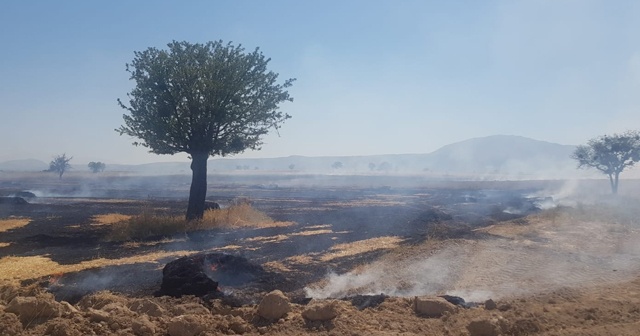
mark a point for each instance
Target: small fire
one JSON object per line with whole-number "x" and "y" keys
{"x": 54, "y": 279}
{"x": 213, "y": 267}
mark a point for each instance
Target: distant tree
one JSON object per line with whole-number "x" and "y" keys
{"x": 610, "y": 154}
{"x": 337, "y": 165}
{"x": 205, "y": 100}
{"x": 96, "y": 167}
{"x": 385, "y": 166}
{"x": 292, "y": 166}
{"x": 372, "y": 166}
{"x": 60, "y": 164}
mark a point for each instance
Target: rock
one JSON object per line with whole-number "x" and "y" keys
{"x": 274, "y": 305}
{"x": 146, "y": 306}
{"x": 143, "y": 327}
{"x": 321, "y": 310}
{"x": 191, "y": 309}
{"x": 34, "y": 309}
{"x": 483, "y": 327}
{"x": 185, "y": 325}
{"x": 433, "y": 306}
{"x": 490, "y": 305}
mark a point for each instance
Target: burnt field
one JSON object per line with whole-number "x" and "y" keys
{"x": 363, "y": 240}
{"x": 62, "y": 225}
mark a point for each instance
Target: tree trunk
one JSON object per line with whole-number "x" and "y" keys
{"x": 198, "y": 191}
{"x": 613, "y": 179}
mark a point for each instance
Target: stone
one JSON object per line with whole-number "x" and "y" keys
{"x": 320, "y": 310}
{"x": 433, "y": 306}
{"x": 274, "y": 306}
{"x": 185, "y": 325}
{"x": 34, "y": 309}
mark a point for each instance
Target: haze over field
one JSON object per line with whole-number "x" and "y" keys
{"x": 374, "y": 77}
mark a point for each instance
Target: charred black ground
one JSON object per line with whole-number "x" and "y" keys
{"x": 60, "y": 227}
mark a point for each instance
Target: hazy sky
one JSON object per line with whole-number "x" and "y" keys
{"x": 374, "y": 77}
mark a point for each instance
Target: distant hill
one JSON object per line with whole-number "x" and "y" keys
{"x": 23, "y": 165}
{"x": 503, "y": 154}
{"x": 497, "y": 156}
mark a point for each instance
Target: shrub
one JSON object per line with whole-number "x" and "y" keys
{"x": 151, "y": 225}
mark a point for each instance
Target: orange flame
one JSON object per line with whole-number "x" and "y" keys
{"x": 54, "y": 279}
{"x": 213, "y": 267}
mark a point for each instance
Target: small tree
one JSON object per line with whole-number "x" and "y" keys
{"x": 292, "y": 166}
{"x": 610, "y": 154}
{"x": 337, "y": 165}
{"x": 202, "y": 99}
{"x": 385, "y": 167}
{"x": 60, "y": 164}
{"x": 97, "y": 167}
{"x": 372, "y": 166}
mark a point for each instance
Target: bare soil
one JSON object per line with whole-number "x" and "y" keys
{"x": 570, "y": 270}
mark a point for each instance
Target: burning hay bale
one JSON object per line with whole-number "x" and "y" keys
{"x": 187, "y": 276}
{"x": 204, "y": 274}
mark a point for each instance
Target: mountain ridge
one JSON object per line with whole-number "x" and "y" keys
{"x": 495, "y": 154}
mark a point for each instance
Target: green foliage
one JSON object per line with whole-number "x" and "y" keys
{"x": 60, "y": 164}
{"x": 208, "y": 98}
{"x": 202, "y": 99}
{"x": 610, "y": 154}
{"x": 97, "y": 167}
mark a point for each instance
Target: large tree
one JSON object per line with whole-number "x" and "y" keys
{"x": 610, "y": 154}
{"x": 60, "y": 164}
{"x": 204, "y": 100}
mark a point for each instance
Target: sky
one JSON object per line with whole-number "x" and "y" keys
{"x": 373, "y": 77}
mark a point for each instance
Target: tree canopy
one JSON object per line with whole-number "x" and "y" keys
{"x": 60, "y": 164}
{"x": 202, "y": 99}
{"x": 97, "y": 167}
{"x": 610, "y": 154}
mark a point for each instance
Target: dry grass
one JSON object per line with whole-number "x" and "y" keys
{"x": 108, "y": 219}
{"x": 151, "y": 225}
{"x": 12, "y": 223}
{"x": 361, "y": 246}
{"x": 22, "y": 268}
{"x": 5, "y": 245}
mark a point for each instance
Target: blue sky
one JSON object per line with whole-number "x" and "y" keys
{"x": 373, "y": 77}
